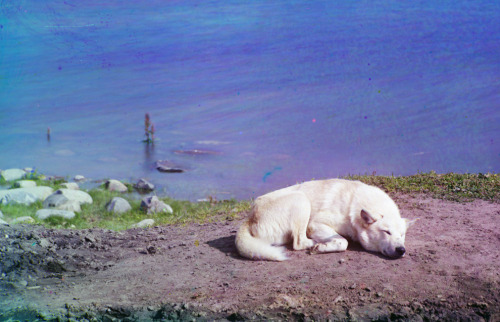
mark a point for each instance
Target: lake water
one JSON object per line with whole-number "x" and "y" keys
{"x": 284, "y": 91}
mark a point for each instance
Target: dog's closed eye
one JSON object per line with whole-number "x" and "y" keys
{"x": 387, "y": 232}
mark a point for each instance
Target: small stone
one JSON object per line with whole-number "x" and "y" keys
{"x": 44, "y": 243}
{"x": 155, "y": 205}
{"x": 25, "y": 184}
{"x": 378, "y": 294}
{"x": 71, "y": 185}
{"x": 78, "y": 178}
{"x": 43, "y": 214}
{"x": 12, "y": 174}
{"x": 23, "y": 220}
{"x": 115, "y": 185}
{"x": 23, "y": 283}
{"x": 341, "y": 261}
{"x": 353, "y": 286}
{"x": 144, "y": 223}
{"x": 144, "y": 186}
{"x": 118, "y": 205}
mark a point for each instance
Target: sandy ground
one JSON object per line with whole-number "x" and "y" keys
{"x": 451, "y": 272}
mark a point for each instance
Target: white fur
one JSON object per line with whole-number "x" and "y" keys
{"x": 320, "y": 215}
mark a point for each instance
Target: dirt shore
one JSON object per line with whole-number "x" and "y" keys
{"x": 451, "y": 272}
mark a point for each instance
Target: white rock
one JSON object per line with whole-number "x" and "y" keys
{"x": 24, "y": 195}
{"x": 115, "y": 185}
{"x": 71, "y": 185}
{"x": 59, "y": 201}
{"x": 155, "y": 205}
{"x": 13, "y": 174}
{"x": 144, "y": 223}
{"x": 77, "y": 195}
{"x": 79, "y": 178}
{"x": 1, "y": 215}
{"x": 25, "y": 184}
{"x": 118, "y": 205}
{"x": 23, "y": 220}
{"x": 3, "y": 222}
{"x": 46, "y": 213}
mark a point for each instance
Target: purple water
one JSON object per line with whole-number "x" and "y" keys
{"x": 285, "y": 91}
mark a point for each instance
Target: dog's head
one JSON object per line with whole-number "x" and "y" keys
{"x": 384, "y": 233}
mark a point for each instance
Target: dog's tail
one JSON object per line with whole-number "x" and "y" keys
{"x": 254, "y": 248}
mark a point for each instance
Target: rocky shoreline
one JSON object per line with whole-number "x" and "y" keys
{"x": 67, "y": 201}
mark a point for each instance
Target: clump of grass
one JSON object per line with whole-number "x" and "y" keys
{"x": 449, "y": 186}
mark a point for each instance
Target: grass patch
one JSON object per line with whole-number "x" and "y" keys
{"x": 449, "y": 186}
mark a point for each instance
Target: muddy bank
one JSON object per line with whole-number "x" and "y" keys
{"x": 451, "y": 272}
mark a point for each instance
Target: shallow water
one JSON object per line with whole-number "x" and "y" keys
{"x": 286, "y": 91}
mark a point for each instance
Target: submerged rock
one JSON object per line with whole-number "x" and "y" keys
{"x": 167, "y": 166}
{"x": 13, "y": 174}
{"x": 79, "y": 178}
{"x": 118, "y": 205}
{"x": 115, "y": 185}
{"x": 197, "y": 152}
{"x": 46, "y": 213}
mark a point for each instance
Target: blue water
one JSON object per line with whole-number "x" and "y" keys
{"x": 285, "y": 91}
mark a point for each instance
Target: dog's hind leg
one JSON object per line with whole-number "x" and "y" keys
{"x": 327, "y": 238}
{"x": 300, "y": 213}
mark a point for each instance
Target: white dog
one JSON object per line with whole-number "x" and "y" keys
{"x": 320, "y": 215}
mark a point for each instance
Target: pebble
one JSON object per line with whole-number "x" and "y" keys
{"x": 144, "y": 223}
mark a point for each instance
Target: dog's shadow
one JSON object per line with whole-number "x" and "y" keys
{"x": 227, "y": 246}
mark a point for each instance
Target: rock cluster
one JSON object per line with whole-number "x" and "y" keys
{"x": 65, "y": 202}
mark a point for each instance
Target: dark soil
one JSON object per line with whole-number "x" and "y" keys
{"x": 451, "y": 272}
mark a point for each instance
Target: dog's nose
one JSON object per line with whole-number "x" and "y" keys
{"x": 400, "y": 251}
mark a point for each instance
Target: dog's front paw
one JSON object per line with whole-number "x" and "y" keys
{"x": 314, "y": 249}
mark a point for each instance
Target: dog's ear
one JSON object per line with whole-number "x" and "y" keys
{"x": 410, "y": 222}
{"x": 367, "y": 218}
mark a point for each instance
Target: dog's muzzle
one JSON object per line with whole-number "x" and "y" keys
{"x": 398, "y": 252}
